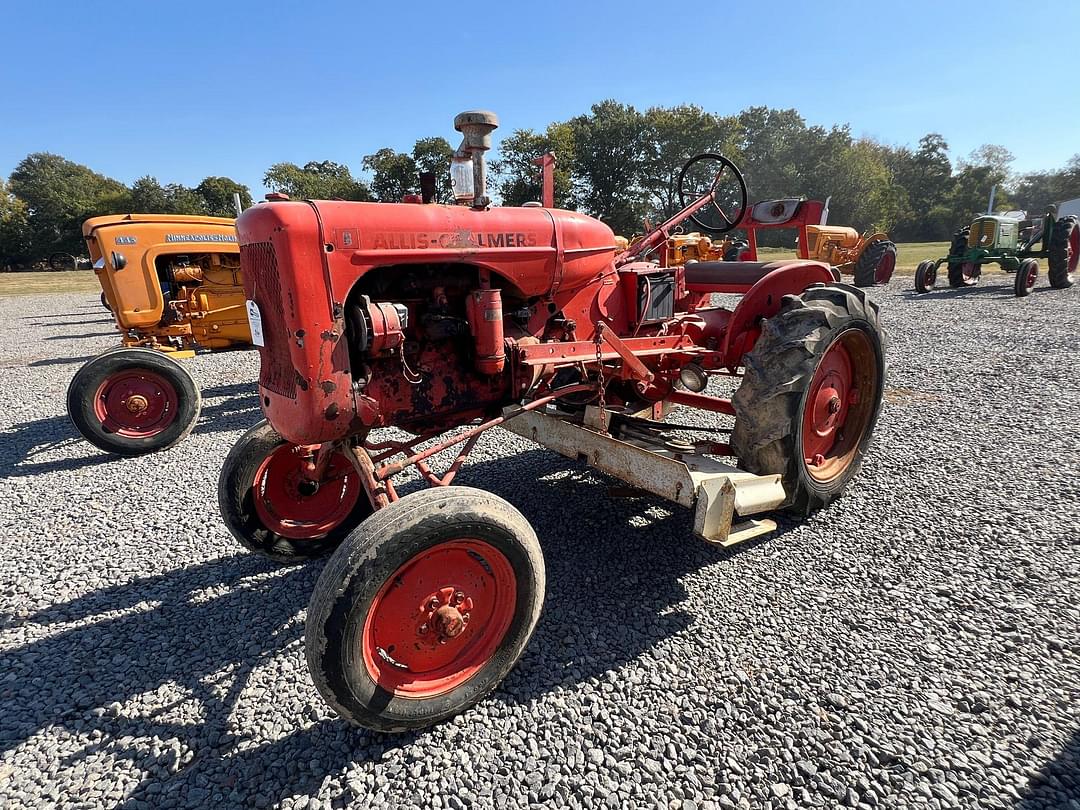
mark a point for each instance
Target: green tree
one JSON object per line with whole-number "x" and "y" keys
{"x": 674, "y": 135}
{"x": 394, "y": 173}
{"x": 316, "y": 180}
{"x": 433, "y": 155}
{"x": 518, "y": 178}
{"x": 59, "y": 194}
{"x": 217, "y": 195}
{"x": 925, "y": 175}
{"x": 14, "y": 228}
{"x": 1036, "y": 191}
{"x": 611, "y": 151}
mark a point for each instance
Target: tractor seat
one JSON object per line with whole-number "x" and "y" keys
{"x": 739, "y": 273}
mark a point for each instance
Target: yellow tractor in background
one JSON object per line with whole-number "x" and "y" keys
{"x": 869, "y": 257}
{"x": 173, "y": 285}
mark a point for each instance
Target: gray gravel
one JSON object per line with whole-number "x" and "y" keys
{"x": 915, "y": 645}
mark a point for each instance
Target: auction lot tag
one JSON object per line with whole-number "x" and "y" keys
{"x": 255, "y": 322}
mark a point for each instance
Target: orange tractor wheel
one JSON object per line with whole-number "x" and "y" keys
{"x": 272, "y": 505}
{"x": 425, "y": 608}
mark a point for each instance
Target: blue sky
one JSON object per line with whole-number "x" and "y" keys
{"x": 187, "y": 90}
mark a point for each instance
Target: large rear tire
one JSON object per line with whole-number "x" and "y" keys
{"x": 424, "y": 609}
{"x": 1064, "y": 253}
{"x": 875, "y": 264}
{"x": 961, "y": 274}
{"x": 811, "y": 394}
{"x": 272, "y": 508}
{"x": 132, "y": 401}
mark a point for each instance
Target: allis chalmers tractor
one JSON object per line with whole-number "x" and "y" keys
{"x": 870, "y": 257}
{"x": 445, "y": 321}
{"x": 1013, "y": 243}
{"x": 172, "y": 283}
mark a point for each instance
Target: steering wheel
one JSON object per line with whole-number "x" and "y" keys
{"x": 709, "y": 173}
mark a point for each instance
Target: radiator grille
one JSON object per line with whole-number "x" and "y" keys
{"x": 983, "y": 233}
{"x": 260, "y": 265}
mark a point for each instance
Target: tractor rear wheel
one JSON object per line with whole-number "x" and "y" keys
{"x": 132, "y": 401}
{"x": 961, "y": 274}
{"x": 925, "y": 276}
{"x": 875, "y": 264}
{"x": 425, "y": 608}
{"x": 1064, "y": 253}
{"x": 105, "y": 301}
{"x": 1026, "y": 276}
{"x": 274, "y": 509}
{"x": 808, "y": 402}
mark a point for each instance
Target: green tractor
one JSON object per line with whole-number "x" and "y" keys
{"x": 1014, "y": 243}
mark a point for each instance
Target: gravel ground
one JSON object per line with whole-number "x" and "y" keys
{"x": 915, "y": 645}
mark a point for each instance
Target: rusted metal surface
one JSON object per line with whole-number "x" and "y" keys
{"x": 715, "y": 490}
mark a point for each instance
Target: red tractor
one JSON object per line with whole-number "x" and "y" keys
{"x": 444, "y": 321}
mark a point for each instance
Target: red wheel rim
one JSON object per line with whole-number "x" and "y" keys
{"x": 1073, "y": 254}
{"x": 292, "y": 505}
{"x": 440, "y": 617}
{"x": 135, "y": 403}
{"x": 970, "y": 271}
{"x": 839, "y": 404}
{"x": 1032, "y": 275}
{"x": 885, "y": 268}
{"x": 931, "y": 277}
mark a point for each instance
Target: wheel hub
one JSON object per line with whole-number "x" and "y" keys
{"x": 438, "y": 619}
{"x": 291, "y": 504}
{"x": 136, "y": 403}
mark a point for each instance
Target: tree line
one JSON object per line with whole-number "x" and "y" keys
{"x": 615, "y": 162}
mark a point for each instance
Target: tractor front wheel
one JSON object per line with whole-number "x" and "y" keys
{"x": 1064, "y": 253}
{"x": 424, "y": 609}
{"x": 105, "y": 301}
{"x": 274, "y": 508}
{"x": 133, "y": 401}
{"x": 808, "y": 402}
{"x": 1026, "y": 276}
{"x": 925, "y": 276}
{"x": 875, "y": 264}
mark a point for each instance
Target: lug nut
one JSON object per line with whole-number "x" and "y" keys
{"x": 459, "y": 597}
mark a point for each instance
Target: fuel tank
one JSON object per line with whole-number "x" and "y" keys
{"x": 301, "y": 259}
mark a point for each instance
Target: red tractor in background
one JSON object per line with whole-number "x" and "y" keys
{"x": 444, "y": 321}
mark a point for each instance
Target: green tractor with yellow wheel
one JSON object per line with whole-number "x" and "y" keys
{"x": 1014, "y": 243}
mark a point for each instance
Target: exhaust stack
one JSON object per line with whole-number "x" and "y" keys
{"x": 468, "y": 172}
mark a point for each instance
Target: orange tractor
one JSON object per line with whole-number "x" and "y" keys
{"x": 443, "y": 321}
{"x": 173, "y": 284}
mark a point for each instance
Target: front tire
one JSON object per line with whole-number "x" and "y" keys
{"x": 1026, "y": 276}
{"x": 875, "y": 264}
{"x": 132, "y": 401}
{"x": 273, "y": 509}
{"x": 1064, "y": 253}
{"x": 811, "y": 394}
{"x": 925, "y": 276}
{"x": 424, "y": 609}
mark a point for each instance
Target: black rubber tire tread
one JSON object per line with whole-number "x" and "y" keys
{"x": 958, "y": 247}
{"x": 1058, "y": 258}
{"x": 237, "y": 506}
{"x": 84, "y": 385}
{"x": 370, "y": 555}
{"x": 921, "y": 272}
{"x": 769, "y": 403}
{"x": 1020, "y": 287}
{"x": 867, "y": 263}
{"x": 105, "y": 301}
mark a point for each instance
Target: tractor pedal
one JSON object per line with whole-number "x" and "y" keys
{"x": 746, "y": 530}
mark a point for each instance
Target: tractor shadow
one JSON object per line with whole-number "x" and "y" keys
{"x": 30, "y": 448}
{"x": 614, "y": 567}
{"x": 1057, "y": 783}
